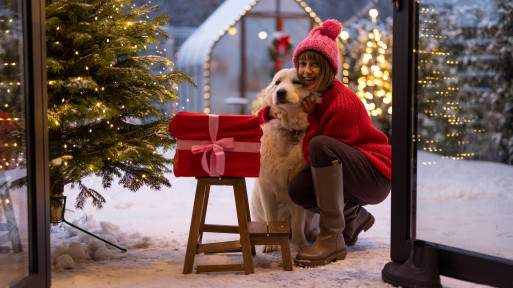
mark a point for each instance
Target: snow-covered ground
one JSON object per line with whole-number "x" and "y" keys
{"x": 154, "y": 226}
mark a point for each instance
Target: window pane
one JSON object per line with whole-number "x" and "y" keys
{"x": 464, "y": 133}
{"x": 14, "y": 254}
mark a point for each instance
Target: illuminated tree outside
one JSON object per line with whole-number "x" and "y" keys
{"x": 369, "y": 68}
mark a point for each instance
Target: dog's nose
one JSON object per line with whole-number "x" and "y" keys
{"x": 281, "y": 95}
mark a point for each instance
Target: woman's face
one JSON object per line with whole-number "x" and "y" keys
{"x": 309, "y": 72}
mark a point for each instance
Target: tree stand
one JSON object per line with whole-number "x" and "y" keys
{"x": 57, "y": 209}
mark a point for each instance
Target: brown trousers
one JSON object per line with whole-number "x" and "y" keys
{"x": 363, "y": 183}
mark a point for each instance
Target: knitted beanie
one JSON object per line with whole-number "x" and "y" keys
{"x": 322, "y": 39}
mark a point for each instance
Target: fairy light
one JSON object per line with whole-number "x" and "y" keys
{"x": 373, "y": 13}
{"x": 344, "y": 35}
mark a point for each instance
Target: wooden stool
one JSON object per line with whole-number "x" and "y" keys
{"x": 198, "y": 226}
{"x": 272, "y": 233}
{"x": 251, "y": 233}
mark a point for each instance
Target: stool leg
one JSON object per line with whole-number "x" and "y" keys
{"x": 285, "y": 253}
{"x": 197, "y": 212}
{"x": 242, "y": 216}
{"x": 204, "y": 214}
{"x": 248, "y": 214}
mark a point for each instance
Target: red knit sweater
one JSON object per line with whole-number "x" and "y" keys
{"x": 342, "y": 115}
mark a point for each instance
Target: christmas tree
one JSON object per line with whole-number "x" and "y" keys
{"x": 369, "y": 72}
{"x": 103, "y": 117}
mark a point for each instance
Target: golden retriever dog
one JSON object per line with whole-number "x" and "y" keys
{"x": 282, "y": 158}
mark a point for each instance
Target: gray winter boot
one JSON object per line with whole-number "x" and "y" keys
{"x": 329, "y": 245}
{"x": 357, "y": 220}
{"x": 419, "y": 271}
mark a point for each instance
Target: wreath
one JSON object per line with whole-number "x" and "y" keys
{"x": 279, "y": 49}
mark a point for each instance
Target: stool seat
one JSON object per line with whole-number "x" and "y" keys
{"x": 251, "y": 233}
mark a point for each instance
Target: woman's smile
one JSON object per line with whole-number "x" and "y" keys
{"x": 309, "y": 72}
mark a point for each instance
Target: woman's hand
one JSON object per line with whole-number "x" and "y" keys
{"x": 271, "y": 114}
{"x": 308, "y": 105}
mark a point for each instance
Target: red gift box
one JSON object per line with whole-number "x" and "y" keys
{"x": 210, "y": 145}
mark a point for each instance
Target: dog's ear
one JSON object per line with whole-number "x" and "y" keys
{"x": 267, "y": 92}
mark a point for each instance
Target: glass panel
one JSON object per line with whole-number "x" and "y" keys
{"x": 14, "y": 253}
{"x": 464, "y": 132}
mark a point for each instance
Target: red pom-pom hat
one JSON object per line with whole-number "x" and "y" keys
{"x": 323, "y": 40}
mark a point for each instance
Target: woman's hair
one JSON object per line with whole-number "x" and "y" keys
{"x": 326, "y": 72}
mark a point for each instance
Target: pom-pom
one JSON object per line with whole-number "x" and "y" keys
{"x": 331, "y": 28}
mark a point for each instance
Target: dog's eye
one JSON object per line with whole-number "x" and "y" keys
{"x": 297, "y": 82}
{"x": 278, "y": 82}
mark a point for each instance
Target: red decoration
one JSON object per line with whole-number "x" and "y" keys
{"x": 280, "y": 47}
{"x": 210, "y": 145}
{"x": 6, "y": 124}
{"x": 7, "y": 161}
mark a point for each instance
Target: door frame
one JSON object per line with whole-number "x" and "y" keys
{"x": 452, "y": 262}
{"x": 37, "y": 145}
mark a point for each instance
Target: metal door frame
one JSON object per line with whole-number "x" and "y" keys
{"x": 453, "y": 262}
{"x": 36, "y": 145}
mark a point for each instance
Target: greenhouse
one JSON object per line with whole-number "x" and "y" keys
{"x": 233, "y": 54}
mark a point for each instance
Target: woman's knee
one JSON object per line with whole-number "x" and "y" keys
{"x": 319, "y": 151}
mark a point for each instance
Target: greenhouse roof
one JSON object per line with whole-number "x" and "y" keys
{"x": 196, "y": 48}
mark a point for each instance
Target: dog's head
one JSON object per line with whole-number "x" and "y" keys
{"x": 286, "y": 92}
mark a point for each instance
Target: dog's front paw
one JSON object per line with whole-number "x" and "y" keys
{"x": 270, "y": 248}
{"x": 299, "y": 244}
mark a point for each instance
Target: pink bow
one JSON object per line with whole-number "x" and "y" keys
{"x": 217, "y": 157}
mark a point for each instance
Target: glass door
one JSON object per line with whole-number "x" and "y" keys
{"x": 464, "y": 133}
{"x": 23, "y": 220}
{"x": 453, "y": 135}
{"x": 14, "y": 226}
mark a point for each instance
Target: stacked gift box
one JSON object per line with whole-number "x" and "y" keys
{"x": 210, "y": 145}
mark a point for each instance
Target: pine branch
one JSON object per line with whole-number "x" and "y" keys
{"x": 85, "y": 193}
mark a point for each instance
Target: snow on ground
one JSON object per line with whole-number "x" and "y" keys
{"x": 154, "y": 225}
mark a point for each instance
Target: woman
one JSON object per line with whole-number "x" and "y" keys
{"x": 350, "y": 159}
